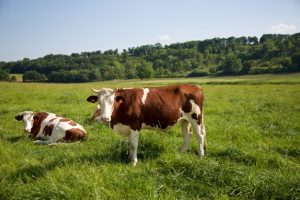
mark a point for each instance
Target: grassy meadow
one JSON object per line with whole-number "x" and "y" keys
{"x": 253, "y": 138}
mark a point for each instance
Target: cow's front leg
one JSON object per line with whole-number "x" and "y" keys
{"x": 43, "y": 142}
{"x": 133, "y": 141}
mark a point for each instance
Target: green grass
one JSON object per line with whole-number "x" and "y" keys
{"x": 253, "y": 150}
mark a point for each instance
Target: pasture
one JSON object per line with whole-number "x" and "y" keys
{"x": 253, "y": 138}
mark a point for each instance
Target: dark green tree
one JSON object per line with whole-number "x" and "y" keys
{"x": 232, "y": 65}
{"x": 13, "y": 78}
{"x": 145, "y": 70}
{"x": 296, "y": 61}
{"x": 247, "y": 65}
{"x": 33, "y": 76}
{"x": 4, "y": 76}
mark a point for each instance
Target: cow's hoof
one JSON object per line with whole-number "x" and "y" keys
{"x": 201, "y": 153}
{"x": 134, "y": 163}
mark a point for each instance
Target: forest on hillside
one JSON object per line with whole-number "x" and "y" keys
{"x": 271, "y": 53}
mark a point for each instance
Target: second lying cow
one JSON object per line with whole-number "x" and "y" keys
{"x": 49, "y": 128}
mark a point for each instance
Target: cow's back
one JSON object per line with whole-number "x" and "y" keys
{"x": 163, "y": 105}
{"x": 156, "y": 107}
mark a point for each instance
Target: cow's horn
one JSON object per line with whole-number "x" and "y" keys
{"x": 96, "y": 91}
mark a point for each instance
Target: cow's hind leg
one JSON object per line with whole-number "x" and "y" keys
{"x": 186, "y": 134}
{"x": 51, "y": 142}
{"x": 199, "y": 130}
{"x": 133, "y": 141}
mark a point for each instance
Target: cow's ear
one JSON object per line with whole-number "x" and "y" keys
{"x": 19, "y": 117}
{"x": 92, "y": 99}
{"x": 120, "y": 99}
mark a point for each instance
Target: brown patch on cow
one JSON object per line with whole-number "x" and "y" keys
{"x": 38, "y": 118}
{"x": 176, "y": 90}
{"x": 163, "y": 106}
{"x": 194, "y": 116}
{"x": 187, "y": 107}
{"x": 96, "y": 114}
{"x": 48, "y": 130}
{"x": 72, "y": 123}
{"x": 198, "y": 118}
{"x": 127, "y": 108}
{"x": 74, "y": 134}
{"x": 64, "y": 120}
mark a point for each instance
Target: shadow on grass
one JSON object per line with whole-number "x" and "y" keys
{"x": 289, "y": 151}
{"x": 117, "y": 153}
{"x": 236, "y": 155}
{"x": 14, "y": 139}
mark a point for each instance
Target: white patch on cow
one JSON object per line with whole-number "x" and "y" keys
{"x": 122, "y": 129}
{"x": 195, "y": 109}
{"x": 59, "y": 131}
{"x": 146, "y": 91}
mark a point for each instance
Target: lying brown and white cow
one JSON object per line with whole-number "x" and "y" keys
{"x": 130, "y": 110}
{"x": 50, "y": 128}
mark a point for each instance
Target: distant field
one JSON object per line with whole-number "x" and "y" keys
{"x": 253, "y": 134}
{"x": 18, "y": 76}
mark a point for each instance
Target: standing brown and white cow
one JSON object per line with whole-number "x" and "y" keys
{"x": 130, "y": 110}
{"x": 50, "y": 128}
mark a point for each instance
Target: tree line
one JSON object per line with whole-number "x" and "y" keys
{"x": 272, "y": 53}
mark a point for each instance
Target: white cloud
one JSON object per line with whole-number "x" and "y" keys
{"x": 282, "y": 28}
{"x": 164, "y": 38}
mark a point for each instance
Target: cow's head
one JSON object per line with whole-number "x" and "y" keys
{"x": 28, "y": 119}
{"x": 105, "y": 102}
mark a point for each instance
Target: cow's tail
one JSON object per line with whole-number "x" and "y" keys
{"x": 202, "y": 118}
{"x": 203, "y": 129}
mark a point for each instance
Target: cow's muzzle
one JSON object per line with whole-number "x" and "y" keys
{"x": 105, "y": 120}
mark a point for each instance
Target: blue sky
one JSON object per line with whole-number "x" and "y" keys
{"x": 35, "y": 28}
